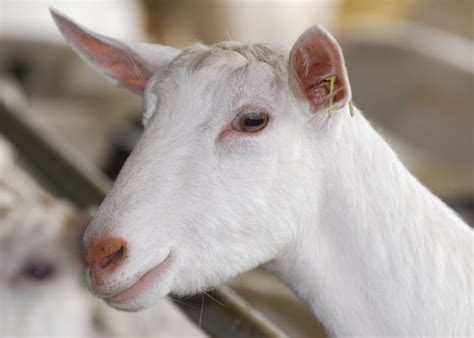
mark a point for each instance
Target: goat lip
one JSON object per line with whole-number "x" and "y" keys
{"x": 144, "y": 281}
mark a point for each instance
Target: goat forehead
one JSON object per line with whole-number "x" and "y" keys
{"x": 228, "y": 61}
{"x": 226, "y": 53}
{"x": 39, "y": 223}
{"x": 215, "y": 79}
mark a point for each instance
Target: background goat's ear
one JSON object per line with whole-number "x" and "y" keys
{"x": 314, "y": 59}
{"x": 126, "y": 64}
{"x": 74, "y": 226}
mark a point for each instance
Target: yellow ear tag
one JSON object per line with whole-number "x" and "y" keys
{"x": 332, "y": 79}
{"x": 351, "y": 108}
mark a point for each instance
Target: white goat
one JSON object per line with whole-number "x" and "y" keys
{"x": 42, "y": 291}
{"x": 250, "y": 157}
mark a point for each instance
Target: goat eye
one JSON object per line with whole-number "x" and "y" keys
{"x": 38, "y": 271}
{"x": 252, "y": 122}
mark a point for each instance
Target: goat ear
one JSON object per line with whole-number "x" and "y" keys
{"x": 130, "y": 65}
{"x": 316, "y": 66}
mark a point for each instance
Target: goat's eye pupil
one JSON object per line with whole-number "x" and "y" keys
{"x": 253, "y": 122}
{"x": 38, "y": 271}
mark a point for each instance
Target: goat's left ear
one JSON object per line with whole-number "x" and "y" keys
{"x": 128, "y": 65}
{"x": 317, "y": 66}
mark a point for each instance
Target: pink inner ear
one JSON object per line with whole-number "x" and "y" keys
{"x": 107, "y": 55}
{"x": 314, "y": 57}
{"x": 118, "y": 63}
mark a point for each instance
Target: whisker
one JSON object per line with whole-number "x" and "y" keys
{"x": 215, "y": 300}
{"x": 181, "y": 302}
{"x": 202, "y": 310}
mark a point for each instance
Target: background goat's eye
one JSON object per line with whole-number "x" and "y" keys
{"x": 253, "y": 122}
{"x": 38, "y": 271}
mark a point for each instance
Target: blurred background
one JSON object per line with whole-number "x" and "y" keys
{"x": 410, "y": 63}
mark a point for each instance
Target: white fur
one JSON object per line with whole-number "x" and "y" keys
{"x": 322, "y": 203}
{"x": 35, "y": 227}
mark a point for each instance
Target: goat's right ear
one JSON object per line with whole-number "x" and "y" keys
{"x": 130, "y": 65}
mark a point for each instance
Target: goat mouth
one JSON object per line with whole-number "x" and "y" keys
{"x": 142, "y": 283}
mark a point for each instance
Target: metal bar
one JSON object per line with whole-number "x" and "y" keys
{"x": 224, "y": 314}
{"x": 60, "y": 165}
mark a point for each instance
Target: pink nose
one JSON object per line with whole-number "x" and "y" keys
{"x": 105, "y": 255}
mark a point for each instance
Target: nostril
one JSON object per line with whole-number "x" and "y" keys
{"x": 104, "y": 262}
{"x": 105, "y": 255}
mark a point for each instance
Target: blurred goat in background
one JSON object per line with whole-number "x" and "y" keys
{"x": 42, "y": 284}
